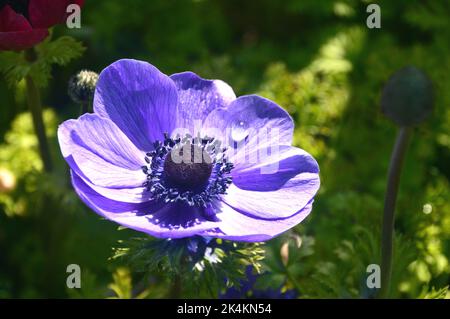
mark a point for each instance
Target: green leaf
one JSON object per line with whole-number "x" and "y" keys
{"x": 434, "y": 293}
{"x": 221, "y": 265}
{"x": 15, "y": 67}
{"x": 61, "y": 51}
{"x": 122, "y": 286}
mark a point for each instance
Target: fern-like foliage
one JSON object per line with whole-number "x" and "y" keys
{"x": 15, "y": 66}
{"x": 205, "y": 267}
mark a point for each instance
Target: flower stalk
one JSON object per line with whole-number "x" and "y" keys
{"x": 175, "y": 289}
{"x": 84, "y": 108}
{"x": 407, "y": 99}
{"x": 395, "y": 169}
{"x": 35, "y": 106}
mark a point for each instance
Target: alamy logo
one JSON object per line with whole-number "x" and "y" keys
{"x": 374, "y": 19}
{"x": 374, "y": 278}
{"x": 74, "y": 279}
{"x": 73, "y": 20}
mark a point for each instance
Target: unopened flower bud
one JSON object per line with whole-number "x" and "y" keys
{"x": 82, "y": 86}
{"x": 407, "y": 98}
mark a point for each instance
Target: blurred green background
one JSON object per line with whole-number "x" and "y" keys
{"x": 319, "y": 61}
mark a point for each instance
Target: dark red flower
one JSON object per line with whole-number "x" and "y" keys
{"x": 24, "y": 23}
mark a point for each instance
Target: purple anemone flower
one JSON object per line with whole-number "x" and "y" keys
{"x": 178, "y": 156}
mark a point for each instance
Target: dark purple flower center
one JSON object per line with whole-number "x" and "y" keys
{"x": 19, "y": 6}
{"x": 188, "y": 167}
{"x": 191, "y": 170}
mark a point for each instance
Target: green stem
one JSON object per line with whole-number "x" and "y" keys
{"x": 395, "y": 169}
{"x": 292, "y": 280}
{"x": 84, "y": 108}
{"x": 34, "y": 103}
{"x": 175, "y": 289}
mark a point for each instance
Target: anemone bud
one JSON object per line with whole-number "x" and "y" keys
{"x": 407, "y": 98}
{"x": 82, "y": 86}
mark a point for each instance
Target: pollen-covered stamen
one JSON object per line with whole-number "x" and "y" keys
{"x": 191, "y": 170}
